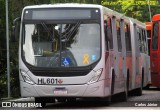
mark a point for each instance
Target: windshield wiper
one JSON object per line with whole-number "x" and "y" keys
{"x": 71, "y": 32}
{"x": 50, "y": 34}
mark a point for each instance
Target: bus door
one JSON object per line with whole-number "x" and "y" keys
{"x": 121, "y": 54}
{"x": 124, "y": 68}
{"x": 115, "y": 74}
{"x": 135, "y": 57}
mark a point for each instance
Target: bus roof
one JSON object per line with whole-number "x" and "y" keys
{"x": 70, "y": 5}
{"x": 148, "y": 25}
{"x": 156, "y": 17}
{"x": 64, "y": 5}
{"x": 138, "y": 23}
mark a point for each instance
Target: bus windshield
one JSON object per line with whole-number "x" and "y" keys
{"x": 57, "y": 45}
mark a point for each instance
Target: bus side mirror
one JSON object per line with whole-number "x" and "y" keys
{"x": 16, "y": 29}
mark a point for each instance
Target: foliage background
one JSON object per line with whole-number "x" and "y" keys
{"x": 137, "y": 9}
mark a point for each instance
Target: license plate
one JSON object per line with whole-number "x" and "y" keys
{"x": 60, "y": 92}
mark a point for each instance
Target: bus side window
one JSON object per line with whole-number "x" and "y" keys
{"x": 105, "y": 34}
{"x": 144, "y": 41}
{"x": 127, "y": 37}
{"x": 108, "y": 33}
{"x": 139, "y": 39}
{"x": 118, "y": 36}
{"x": 142, "y": 50}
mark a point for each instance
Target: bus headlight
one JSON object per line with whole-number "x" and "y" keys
{"x": 26, "y": 78}
{"x": 96, "y": 76}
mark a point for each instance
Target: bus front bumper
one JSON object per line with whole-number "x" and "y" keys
{"x": 97, "y": 89}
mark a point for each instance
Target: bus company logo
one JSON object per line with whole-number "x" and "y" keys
{"x": 60, "y": 81}
{"x": 20, "y": 105}
{"x": 6, "y": 104}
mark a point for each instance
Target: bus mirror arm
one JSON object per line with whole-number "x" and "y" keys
{"x": 15, "y": 29}
{"x": 16, "y": 20}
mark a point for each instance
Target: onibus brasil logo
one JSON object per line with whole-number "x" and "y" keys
{"x": 20, "y": 105}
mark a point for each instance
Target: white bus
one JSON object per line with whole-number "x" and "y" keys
{"x": 70, "y": 51}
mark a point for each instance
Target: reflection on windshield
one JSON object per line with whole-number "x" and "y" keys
{"x": 61, "y": 45}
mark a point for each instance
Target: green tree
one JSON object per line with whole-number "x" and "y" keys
{"x": 2, "y": 50}
{"x": 137, "y": 9}
{"x": 15, "y": 9}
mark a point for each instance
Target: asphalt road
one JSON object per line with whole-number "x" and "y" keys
{"x": 150, "y": 99}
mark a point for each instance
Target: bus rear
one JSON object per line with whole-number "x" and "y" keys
{"x": 155, "y": 51}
